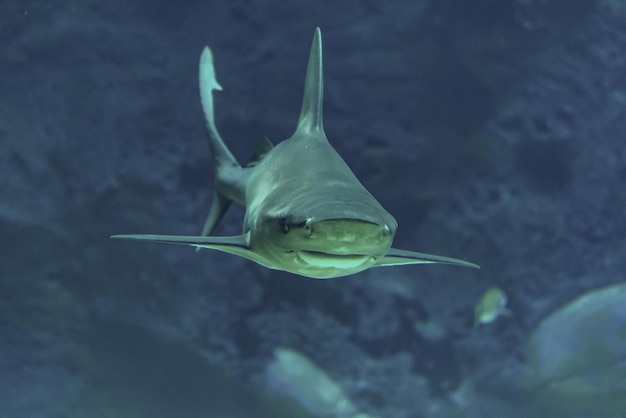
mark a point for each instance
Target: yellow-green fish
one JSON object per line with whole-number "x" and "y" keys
{"x": 491, "y": 305}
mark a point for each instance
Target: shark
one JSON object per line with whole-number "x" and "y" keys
{"x": 305, "y": 210}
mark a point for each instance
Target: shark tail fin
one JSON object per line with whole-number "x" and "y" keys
{"x": 311, "y": 113}
{"x": 219, "y": 151}
{"x": 224, "y": 163}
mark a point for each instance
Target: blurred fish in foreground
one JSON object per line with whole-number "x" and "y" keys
{"x": 577, "y": 356}
{"x": 294, "y": 375}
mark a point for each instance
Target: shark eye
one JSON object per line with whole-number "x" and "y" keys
{"x": 284, "y": 225}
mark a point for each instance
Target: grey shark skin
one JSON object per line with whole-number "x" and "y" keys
{"x": 306, "y": 212}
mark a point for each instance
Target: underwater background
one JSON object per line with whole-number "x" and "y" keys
{"x": 493, "y": 130}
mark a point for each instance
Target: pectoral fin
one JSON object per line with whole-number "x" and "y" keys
{"x": 396, "y": 257}
{"x": 237, "y": 245}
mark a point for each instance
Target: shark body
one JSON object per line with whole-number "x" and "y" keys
{"x": 306, "y": 212}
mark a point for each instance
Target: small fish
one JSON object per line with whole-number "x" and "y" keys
{"x": 491, "y": 305}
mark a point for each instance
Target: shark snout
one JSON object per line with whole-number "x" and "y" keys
{"x": 349, "y": 236}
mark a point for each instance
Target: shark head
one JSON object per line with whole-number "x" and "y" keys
{"x": 323, "y": 246}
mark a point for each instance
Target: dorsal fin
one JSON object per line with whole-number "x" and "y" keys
{"x": 311, "y": 114}
{"x": 262, "y": 149}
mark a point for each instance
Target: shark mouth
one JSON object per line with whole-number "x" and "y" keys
{"x": 327, "y": 260}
